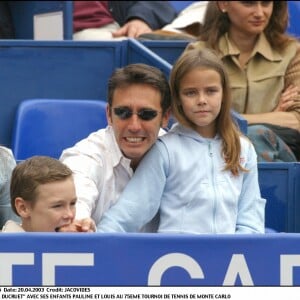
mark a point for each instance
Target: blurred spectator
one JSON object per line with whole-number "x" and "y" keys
{"x": 186, "y": 26}
{"x": 6, "y": 23}
{"x": 98, "y": 20}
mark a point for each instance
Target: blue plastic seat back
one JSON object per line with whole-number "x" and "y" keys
{"x": 294, "y": 16}
{"x": 47, "y": 126}
{"x": 180, "y": 5}
{"x": 280, "y": 186}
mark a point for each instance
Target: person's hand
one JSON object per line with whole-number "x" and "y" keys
{"x": 83, "y": 225}
{"x": 288, "y": 98}
{"x": 133, "y": 29}
{"x": 87, "y": 225}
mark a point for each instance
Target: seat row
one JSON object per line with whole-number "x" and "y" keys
{"x": 47, "y": 126}
{"x": 80, "y": 70}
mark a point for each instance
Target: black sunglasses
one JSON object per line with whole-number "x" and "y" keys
{"x": 145, "y": 114}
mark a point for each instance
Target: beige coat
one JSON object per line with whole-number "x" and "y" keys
{"x": 257, "y": 87}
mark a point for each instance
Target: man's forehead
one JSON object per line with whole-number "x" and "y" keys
{"x": 142, "y": 95}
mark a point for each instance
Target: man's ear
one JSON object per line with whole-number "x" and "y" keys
{"x": 22, "y": 207}
{"x": 108, "y": 114}
{"x": 165, "y": 118}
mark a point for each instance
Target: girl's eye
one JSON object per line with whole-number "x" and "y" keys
{"x": 189, "y": 93}
{"x": 56, "y": 206}
{"x": 212, "y": 91}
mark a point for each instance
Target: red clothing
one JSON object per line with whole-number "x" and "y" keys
{"x": 90, "y": 14}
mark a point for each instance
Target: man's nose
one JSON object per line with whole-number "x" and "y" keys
{"x": 134, "y": 123}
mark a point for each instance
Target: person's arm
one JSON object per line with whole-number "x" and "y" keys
{"x": 132, "y": 29}
{"x": 87, "y": 174}
{"x": 285, "y": 119}
{"x": 141, "y": 198}
{"x": 287, "y": 112}
{"x": 251, "y": 206}
{"x": 138, "y": 17}
{"x": 288, "y": 98}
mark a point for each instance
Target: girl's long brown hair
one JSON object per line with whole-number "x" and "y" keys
{"x": 226, "y": 127}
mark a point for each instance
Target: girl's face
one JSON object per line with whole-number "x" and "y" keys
{"x": 54, "y": 207}
{"x": 201, "y": 96}
{"x": 247, "y": 17}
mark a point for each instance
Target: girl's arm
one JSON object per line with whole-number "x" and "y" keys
{"x": 141, "y": 198}
{"x": 251, "y": 206}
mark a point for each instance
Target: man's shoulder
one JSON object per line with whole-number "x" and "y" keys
{"x": 99, "y": 137}
{"x": 95, "y": 144}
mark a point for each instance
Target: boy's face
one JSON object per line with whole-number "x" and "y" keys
{"x": 54, "y": 207}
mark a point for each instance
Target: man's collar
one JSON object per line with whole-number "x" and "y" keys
{"x": 117, "y": 155}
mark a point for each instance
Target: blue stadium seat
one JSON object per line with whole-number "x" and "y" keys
{"x": 180, "y": 5}
{"x": 280, "y": 186}
{"x": 294, "y": 12}
{"x": 47, "y": 126}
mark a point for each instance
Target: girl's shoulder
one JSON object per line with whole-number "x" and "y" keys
{"x": 168, "y": 139}
{"x": 245, "y": 141}
{"x": 246, "y": 145}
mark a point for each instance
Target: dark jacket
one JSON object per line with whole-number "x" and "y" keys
{"x": 6, "y": 23}
{"x": 155, "y": 13}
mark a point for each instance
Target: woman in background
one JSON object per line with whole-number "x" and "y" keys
{"x": 263, "y": 63}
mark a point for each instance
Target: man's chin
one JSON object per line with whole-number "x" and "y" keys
{"x": 135, "y": 152}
